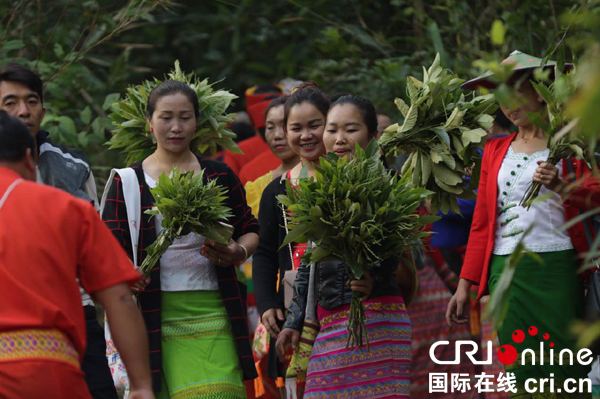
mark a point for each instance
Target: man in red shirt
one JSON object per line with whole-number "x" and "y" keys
{"x": 48, "y": 241}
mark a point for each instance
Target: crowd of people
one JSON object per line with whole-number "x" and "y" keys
{"x": 189, "y": 334}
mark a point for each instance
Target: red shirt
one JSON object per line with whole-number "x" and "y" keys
{"x": 259, "y": 166}
{"x": 48, "y": 240}
{"x": 251, "y": 148}
{"x": 584, "y": 197}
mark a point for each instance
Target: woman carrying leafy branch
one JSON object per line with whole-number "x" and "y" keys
{"x": 193, "y": 305}
{"x": 334, "y": 369}
{"x": 547, "y": 294}
{"x": 304, "y": 117}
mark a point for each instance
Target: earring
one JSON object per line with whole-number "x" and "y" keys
{"x": 151, "y": 129}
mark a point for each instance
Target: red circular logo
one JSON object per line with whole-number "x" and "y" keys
{"x": 507, "y": 354}
{"x": 533, "y": 330}
{"x": 518, "y": 336}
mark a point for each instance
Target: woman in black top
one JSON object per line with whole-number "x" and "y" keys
{"x": 194, "y": 306}
{"x": 304, "y": 122}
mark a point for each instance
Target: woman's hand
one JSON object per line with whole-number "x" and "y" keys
{"x": 269, "y": 320}
{"x": 547, "y": 175}
{"x": 286, "y": 336}
{"x": 142, "y": 283}
{"x": 458, "y": 307}
{"x": 223, "y": 255}
{"x": 364, "y": 286}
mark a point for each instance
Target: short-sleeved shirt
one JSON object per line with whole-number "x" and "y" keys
{"x": 49, "y": 240}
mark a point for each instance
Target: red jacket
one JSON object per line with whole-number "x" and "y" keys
{"x": 251, "y": 148}
{"x": 584, "y": 197}
{"x": 259, "y": 166}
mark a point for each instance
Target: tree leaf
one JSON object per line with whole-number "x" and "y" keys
{"x": 446, "y": 175}
{"x": 86, "y": 115}
{"x": 426, "y": 170}
{"x": 411, "y": 119}
{"x": 472, "y": 136}
{"x": 435, "y": 157}
{"x": 443, "y": 135}
{"x": 402, "y": 106}
{"x": 497, "y": 33}
{"x": 454, "y": 120}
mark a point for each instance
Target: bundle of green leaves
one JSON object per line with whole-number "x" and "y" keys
{"x": 132, "y": 132}
{"x": 442, "y": 130}
{"x": 188, "y": 203}
{"x": 357, "y": 211}
{"x": 564, "y": 140}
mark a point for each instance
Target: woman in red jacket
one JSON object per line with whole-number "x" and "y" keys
{"x": 546, "y": 297}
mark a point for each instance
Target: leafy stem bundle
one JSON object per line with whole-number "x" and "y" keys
{"x": 555, "y": 123}
{"x": 442, "y": 131}
{"x": 188, "y": 204}
{"x": 132, "y": 133}
{"x": 358, "y": 212}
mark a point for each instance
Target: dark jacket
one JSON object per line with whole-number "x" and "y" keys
{"x": 268, "y": 259}
{"x": 65, "y": 168}
{"x": 331, "y": 288}
{"x": 232, "y": 291}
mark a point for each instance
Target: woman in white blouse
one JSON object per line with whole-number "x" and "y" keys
{"x": 545, "y": 297}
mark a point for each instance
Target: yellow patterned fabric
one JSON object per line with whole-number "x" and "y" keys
{"x": 37, "y": 344}
{"x": 254, "y": 190}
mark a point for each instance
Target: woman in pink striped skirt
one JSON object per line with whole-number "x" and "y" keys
{"x": 335, "y": 371}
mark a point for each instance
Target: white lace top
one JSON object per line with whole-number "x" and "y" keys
{"x": 516, "y": 173}
{"x": 182, "y": 267}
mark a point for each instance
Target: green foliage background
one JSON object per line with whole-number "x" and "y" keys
{"x": 88, "y": 52}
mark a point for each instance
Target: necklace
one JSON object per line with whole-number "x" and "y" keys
{"x": 165, "y": 166}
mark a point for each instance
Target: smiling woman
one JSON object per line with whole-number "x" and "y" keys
{"x": 304, "y": 117}
{"x": 351, "y": 120}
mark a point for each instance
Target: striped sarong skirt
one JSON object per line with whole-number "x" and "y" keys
{"x": 383, "y": 371}
{"x": 200, "y": 359}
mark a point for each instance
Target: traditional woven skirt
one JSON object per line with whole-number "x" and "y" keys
{"x": 335, "y": 371}
{"x": 199, "y": 355}
{"x": 40, "y": 363}
{"x": 548, "y": 297}
{"x": 427, "y": 314}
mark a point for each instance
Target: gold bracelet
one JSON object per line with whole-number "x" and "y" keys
{"x": 245, "y": 252}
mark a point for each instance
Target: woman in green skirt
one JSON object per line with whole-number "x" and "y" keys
{"x": 193, "y": 304}
{"x": 545, "y": 298}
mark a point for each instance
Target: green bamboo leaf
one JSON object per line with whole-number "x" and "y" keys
{"x": 296, "y": 234}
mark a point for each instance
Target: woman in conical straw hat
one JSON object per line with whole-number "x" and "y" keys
{"x": 544, "y": 299}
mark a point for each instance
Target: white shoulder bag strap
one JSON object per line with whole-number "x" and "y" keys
{"x": 132, "y": 198}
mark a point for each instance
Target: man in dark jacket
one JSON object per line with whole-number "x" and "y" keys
{"x": 21, "y": 95}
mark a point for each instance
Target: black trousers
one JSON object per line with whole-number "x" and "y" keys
{"x": 94, "y": 364}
